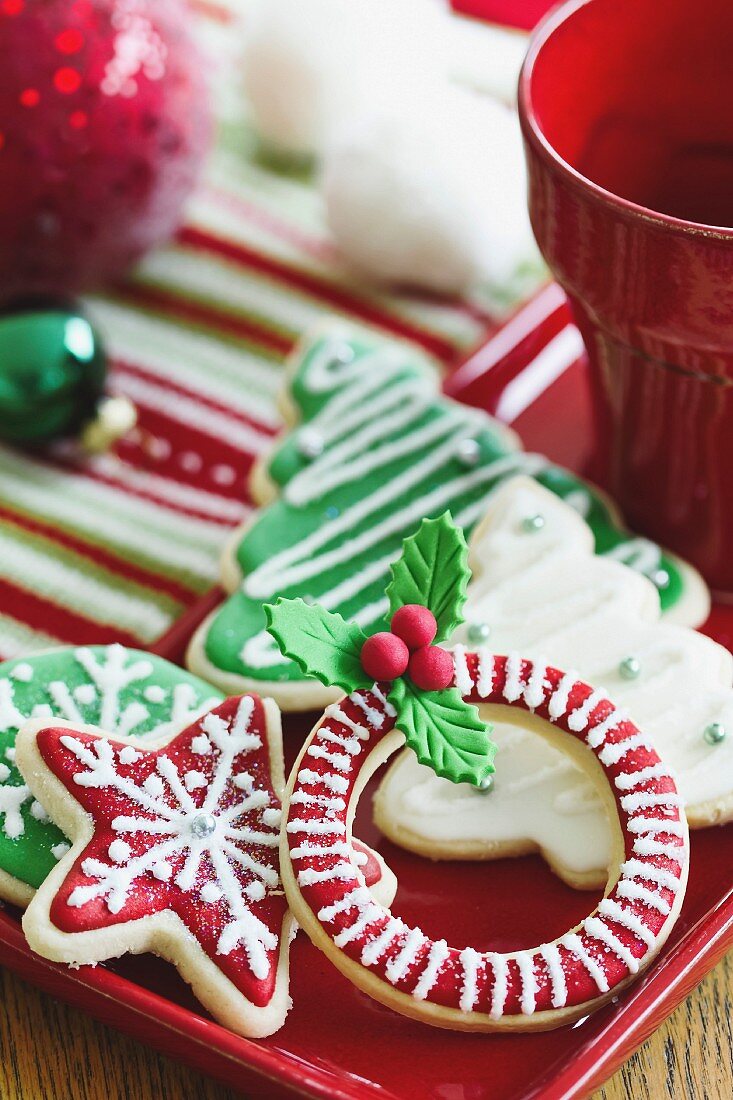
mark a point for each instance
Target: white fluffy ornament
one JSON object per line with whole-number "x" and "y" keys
{"x": 431, "y": 194}
{"x": 311, "y": 65}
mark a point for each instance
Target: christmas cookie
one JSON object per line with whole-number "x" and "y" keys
{"x": 539, "y": 590}
{"x": 468, "y": 989}
{"x": 175, "y": 851}
{"x": 125, "y": 692}
{"x": 373, "y": 449}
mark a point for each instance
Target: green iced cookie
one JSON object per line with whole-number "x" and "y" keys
{"x": 123, "y": 691}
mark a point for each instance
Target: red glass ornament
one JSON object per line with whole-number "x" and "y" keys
{"x": 431, "y": 668}
{"x": 105, "y": 123}
{"x": 415, "y": 624}
{"x": 384, "y": 656}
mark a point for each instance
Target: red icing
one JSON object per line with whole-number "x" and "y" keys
{"x": 384, "y": 656}
{"x": 206, "y": 920}
{"x": 415, "y": 624}
{"x": 587, "y": 965}
{"x": 431, "y": 668}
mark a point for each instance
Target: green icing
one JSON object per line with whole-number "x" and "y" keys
{"x": 377, "y": 449}
{"x": 123, "y": 691}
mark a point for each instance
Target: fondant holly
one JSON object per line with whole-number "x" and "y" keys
{"x": 444, "y": 731}
{"x": 376, "y": 449}
{"x": 123, "y": 691}
{"x": 175, "y": 852}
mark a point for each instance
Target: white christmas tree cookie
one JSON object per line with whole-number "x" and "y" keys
{"x": 539, "y": 589}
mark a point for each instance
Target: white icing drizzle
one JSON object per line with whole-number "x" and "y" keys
{"x": 340, "y": 761}
{"x": 655, "y": 825}
{"x": 550, "y": 952}
{"x": 598, "y": 734}
{"x": 470, "y": 961}
{"x": 336, "y": 783}
{"x": 368, "y": 915}
{"x": 648, "y": 846}
{"x": 485, "y": 681}
{"x": 645, "y": 800}
{"x": 317, "y": 827}
{"x": 398, "y": 967}
{"x": 614, "y": 753}
{"x": 340, "y": 872}
{"x": 534, "y": 693}
{"x": 500, "y": 987}
{"x": 574, "y": 944}
{"x": 610, "y": 908}
{"x": 354, "y": 899}
{"x": 373, "y": 951}
{"x": 336, "y": 712}
{"x": 437, "y": 956}
{"x": 302, "y": 798}
{"x": 308, "y": 851}
{"x": 525, "y": 962}
{"x": 637, "y": 868}
{"x": 351, "y": 745}
{"x": 627, "y": 781}
{"x": 463, "y": 680}
{"x": 373, "y": 716}
{"x": 513, "y": 677}
{"x": 634, "y": 891}
{"x": 580, "y": 718}
{"x": 559, "y": 700}
{"x": 599, "y": 930}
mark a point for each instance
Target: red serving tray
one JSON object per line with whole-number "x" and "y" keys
{"x": 337, "y": 1043}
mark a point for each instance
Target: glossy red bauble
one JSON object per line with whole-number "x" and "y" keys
{"x": 431, "y": 668}
{"x": 384, "y": 656}
{"x": 415, "y": 624}
{"x": 103, "y": 126}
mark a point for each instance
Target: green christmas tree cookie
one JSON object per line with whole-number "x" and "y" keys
{"x": 122, "y": 691}
{"x": 373, "y": 449}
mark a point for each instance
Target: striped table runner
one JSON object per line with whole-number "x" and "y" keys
{"x": 116, "y": 547}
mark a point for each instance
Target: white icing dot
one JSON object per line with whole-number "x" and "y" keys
{"x": 162, "y": 871}
{"x": 85, "y": 694}
{"x": 154, "y": 785}
{"x": 256, "y": 891}
{"x": 155, "y": 694}
{"x": 4, "y": 773}
{"x": 194, "y": 781}
{"x": 272, "y": 817}
{"x": 128, "y": 755}
{"x": 223, "y": 475}
{"x": 59, "y": 850}
{"x": 119, "y": 851}
{"x": 42, "y": 710}
{"x": 10, "y": 755}
{"x": 38, "y": 811}
{"x": 210, "y": 893}
{"x": 201, "y": 745}
{"x": 191, "y": 462}
{"x": 22, "y": 672}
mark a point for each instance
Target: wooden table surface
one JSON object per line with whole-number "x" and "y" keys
{"x": 50, "y": 1052}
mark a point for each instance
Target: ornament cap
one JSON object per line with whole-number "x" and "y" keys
{"x": 116, "y": 416}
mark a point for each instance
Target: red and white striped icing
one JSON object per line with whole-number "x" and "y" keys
{"x": 607, "y": 948}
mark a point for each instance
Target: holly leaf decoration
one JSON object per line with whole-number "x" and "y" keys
{"x": 433, "y": 571}
{"x": 445, "y": 732}
{"x": 325, "y": 645}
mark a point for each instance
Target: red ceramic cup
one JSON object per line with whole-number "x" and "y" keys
{"x": 627, "y": 114}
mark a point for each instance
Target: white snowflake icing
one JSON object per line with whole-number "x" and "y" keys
{"x": 161, "y": 829}
{"x": 110, "y": 675}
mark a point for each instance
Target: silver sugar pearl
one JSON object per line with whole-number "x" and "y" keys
{"x": 661, "y": 578}
{"x": 486, "y": 785}
{"x": 629, "y": 668}
{"x": 533, "y": 523}
{"x": 203, "y": 826}
{"x": 332, "y": 512}
{"x": 478, "y": 633}
{"x": 311, "y": 443}
{"x": 340, "y": 354}
{"x": 469, "y": 452}
{"x": 715, "y": 733}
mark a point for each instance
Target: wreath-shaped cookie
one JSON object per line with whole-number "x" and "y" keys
{"x": 428, "y": 702}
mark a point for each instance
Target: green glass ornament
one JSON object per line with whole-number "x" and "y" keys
{"x": 52, "y": 374}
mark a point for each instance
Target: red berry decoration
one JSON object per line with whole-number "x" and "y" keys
{"x": 384, "y": 656}
{"x": 415, "y": 624}
{"x": 103, "y": 126}
{"x": 431, "y": 668}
